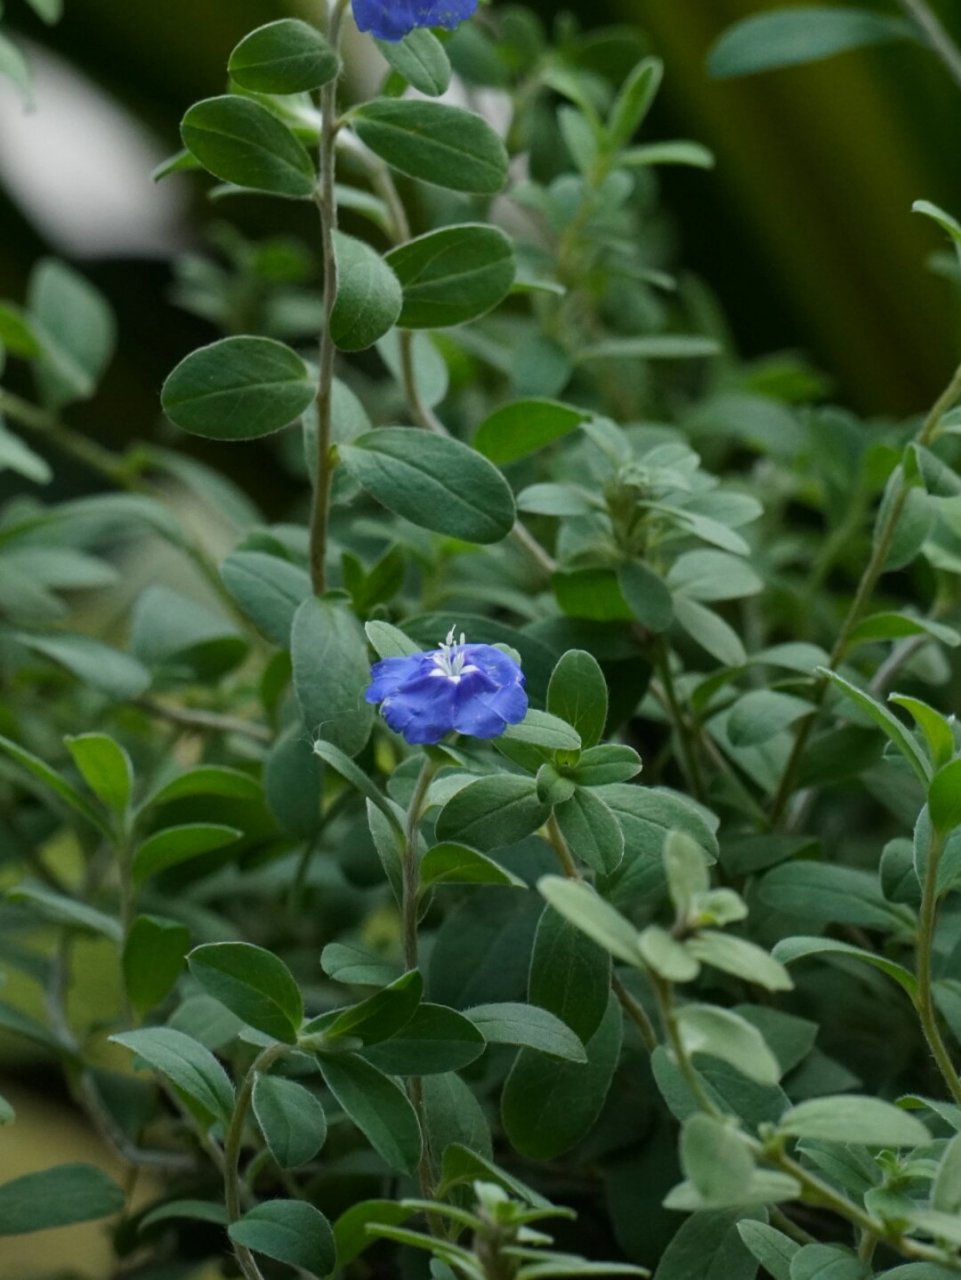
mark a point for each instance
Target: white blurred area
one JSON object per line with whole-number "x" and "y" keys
{"x": 79, "y": 168}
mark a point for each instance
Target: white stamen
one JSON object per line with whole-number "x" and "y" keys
{"x": 450, "y": 663}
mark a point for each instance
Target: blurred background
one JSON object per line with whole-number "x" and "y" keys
{"x": 804, "y": 230}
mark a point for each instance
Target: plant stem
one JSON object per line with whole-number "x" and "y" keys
{"x": 692, "y": 768}
{"x": 327, "y": 204}
{"x": 232, "y": 1148}
{"x": 204, "y": 721}
{"x": 631, "y": 1006}
{"x": 927, "y": 1012}
{"x": 665, "y": 1002}
{"x": 936, "y": 34}
{"x": 881, "y": 549}
{"x": 410, "y": 906}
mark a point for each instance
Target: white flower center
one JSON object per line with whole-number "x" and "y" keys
{"x": 450, "y": 659}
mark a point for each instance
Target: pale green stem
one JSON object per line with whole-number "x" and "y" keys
{"x": 865, "y": 590}
{"x": 232, "y": 1148}
{"x": 327, "y": 205}
{"x": 927, "y": 1012}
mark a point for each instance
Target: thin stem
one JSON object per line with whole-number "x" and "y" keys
{"x": 937, "y": 36}
{"x": 410, "y": 906}
{"x": 631, "y": 1006}
{"x": 232, "y": 1147}
{"x": 883, "y": 542}
{"x": 204, "y": 721}
{"x": 327, "y": 204}
{"x": 420, "y": 410}
{"x": 927, "y": 1013}
{"x": 692, "y": 766}
{"x": 668, "y": 1010}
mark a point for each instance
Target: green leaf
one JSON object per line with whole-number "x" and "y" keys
{"x": 647, "y": 596}
{"x": 528, "y": 1026}
{"x": 434, "y": 1041}
{"x": 343, "y": 765}
{"x": 713, "y": 575}
{"x": 773, "y": 1249}
{"x": 153, "y": 958}
{"x": 13, "y": 65}
{"x": 710, "y": 631}
{"x": 459, "y": 864}
{"x": 290, "y": 1118}
{"x": 208, "y": 780}
{"x": 606, "y": 765}
{"x": 634, "y": 101}
{"x": 492, "y": 812}
{"x": 290, "y": 1231}
{"x": 59, "y": 909}
{"x": 378, "y": 1107}
{"x": 57, "y": 1197}
{"x": 293, "y": 782}
{"x": 686, "y": 869}
{"x": 570, "y": 975}
{"x": 288, "y": 56}
{"x": 188, "y": 1210}
{"x": 268, "y": 589}
{"x": 377, "y": 1018}
{"x": 791, "y": 37}
{"x": 331, "y": 674}
{"x": 52, "y": 781}
{"x": 828, "y": 1262}
{"x": 115, "y": 674}
{"x": 173, "y": 845}
{"x": 241, "y": 142}
{"x": 548, "y": 1106}
{"x": 105, "y": 767}
{"x": 826, "y": 893}
{"x": 726, "y": 1035}
{"x": 593, "y": 594}
{"x": 16, "y": 455}
{"x": 668, "y": 958}
{"x": 885, "y": 720}
{"x": 541, "y": 729}
{"x": 944, "y": 798}
{"x": 933, "y": 725}
{"x": 946, "y": 1190}
{"x": 744, "y": 959}
{"x": 788, "y": 950}
{"x": 369, "y": 296}
{"x": 897, "y": 626}
{"x": 452, "y": 275}
{"x": 715, "y": 1160}
{"x": 708, "y": 1247}
{"x": 524, "y": 427}
{"x": 50, "y": 11}
{"x": 356, "y": 965}
{"x": 591, "y": 830}
{"x": 848, "y": 1118}
{"x": 433, "y": 481}
{"x": 238, "y": 389}
{"x": 440, "y": 144}
{"x": 351, "y": 1228}
{"x": 659, "y": 346}
{"x": 762, "y": 714}
{"x": 577, "y": 694}
{"x": 75, "y": 328}
{"x": 421, "y": 59}
{"x": 188, "y": 1065}
{"x": 579, "y": 903}
{"x": 253, "y": 984}
{"x": 388, "y": 641}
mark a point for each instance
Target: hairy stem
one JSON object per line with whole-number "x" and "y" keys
{"x": 232, "y": 1148}
{"x": 936, "y": 35}
{"x": 410, "y": 907}
{"x": 881, "y": 549}
{"x": 327, "y": 204}
{"x": 687, "y": 740}
{"x": 927, "y": 1012}
{"x": 631, "y": 1006}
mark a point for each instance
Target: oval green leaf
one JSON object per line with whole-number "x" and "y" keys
{"x": 288, "y": 56}
{"x": 452, "y": 275}
{"x": 241, "y": 142}
{"x": 444, "y": 145}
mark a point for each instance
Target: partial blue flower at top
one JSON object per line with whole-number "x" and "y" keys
{"x": 394, "y": 19}
{"x": 458, "y": 688}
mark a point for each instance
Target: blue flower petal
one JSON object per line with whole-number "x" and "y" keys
{"x": 394, "y": 19}
{"x": 472, "y": 689}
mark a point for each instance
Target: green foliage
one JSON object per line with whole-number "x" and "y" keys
{"x": 708, "y": 874}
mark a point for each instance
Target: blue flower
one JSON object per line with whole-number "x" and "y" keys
{"x": 394, "y": 19}
{"x": 458, "y": 688}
